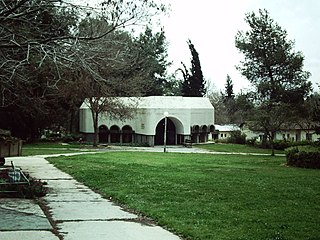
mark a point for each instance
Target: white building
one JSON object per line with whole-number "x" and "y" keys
{"x": 293, "y": 133}
{"x": 223, "y": 132}
{"x": 188, "y": 118}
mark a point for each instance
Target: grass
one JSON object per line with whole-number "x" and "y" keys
{"x": 236, "y": 148}
{"x": 46, "y": 148}
{"x": 202, "y": 196}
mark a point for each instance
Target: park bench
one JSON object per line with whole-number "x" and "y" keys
{"x": 187, "y": 143}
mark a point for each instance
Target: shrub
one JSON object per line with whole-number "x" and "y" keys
{"x": 283, "y": 144}
{"x": 237, "y": 137}
{"x": 303, "y": 156}
{"x": 251, "y": 142}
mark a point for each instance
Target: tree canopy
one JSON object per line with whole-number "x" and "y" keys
{"x": 275, "y": 71}
{"x": 48, "y": 48}
{"x": 194, "y": 82}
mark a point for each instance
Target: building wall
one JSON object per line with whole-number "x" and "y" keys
{"x": 147, "y": 117}
{"x": 288, "y": 135}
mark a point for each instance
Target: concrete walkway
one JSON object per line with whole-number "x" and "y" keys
{"x": 74, "y": 211}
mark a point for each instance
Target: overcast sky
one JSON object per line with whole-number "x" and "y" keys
{"x": 211, "y": 25}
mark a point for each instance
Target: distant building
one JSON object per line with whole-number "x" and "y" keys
{"x": 293, "y": 133}
{"x": 223, "y": 132}
{"x": 188, "y": 118}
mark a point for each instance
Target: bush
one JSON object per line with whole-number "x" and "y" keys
{"x": 237, "y": 137}
{"x": 283, "y": 144}
{"x": 303, "y": 156}
{"x": 251, "y": 142}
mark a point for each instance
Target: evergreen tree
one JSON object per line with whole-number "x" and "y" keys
{"x": 194, "y": 83}
{"x": 276, "y": 72}
{"x": 229, "y": 94}
{"x": 153, "y": 61}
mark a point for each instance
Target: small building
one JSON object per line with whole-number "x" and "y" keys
{"x": 292, "y": 133}
{"x": 223, "y": 132}
{"x": 188, "y": 118}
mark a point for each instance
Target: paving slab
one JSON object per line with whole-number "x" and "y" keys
{"x": 72, "y": 196}
{"x": 70, "y": 190}
{"x": 76, "y": 211}
{"x": 113, "y": 230}
{"x": 28, "y": 235}
{"x": 22, "y": 214}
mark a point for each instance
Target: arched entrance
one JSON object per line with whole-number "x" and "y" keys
{"x": 115, "y": 134}
{"x": 204, "y": 134}
{"x": 195, "y": 130}
{"x": 127, "y": 134}
{"x": 103, "y": 134}
{"x": 171, "y": 133}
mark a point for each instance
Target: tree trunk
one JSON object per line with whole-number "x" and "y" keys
{"x": 272, "y": 144}
{"x": 95, "y": 128}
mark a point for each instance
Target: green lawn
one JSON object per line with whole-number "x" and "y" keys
{"x": 236, "y": 148}
{"x": 204, "y": 196}
{"x": 52, "y": 148}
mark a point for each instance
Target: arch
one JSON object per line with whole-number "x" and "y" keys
{"x": 171, "y": 132}
{"x": 114, "y": 134}
{"x": 212, "y": 128}
{"x": 103, "y": 134}
{"x": 195, "y": 129}
{"x": 204, "y": 128}
{"x": 127, "y": 134}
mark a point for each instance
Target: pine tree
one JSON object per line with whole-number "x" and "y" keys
{"x": 229, "y": 94}
{"x": 275, "y": 71}
{"x": 194, "y": 83}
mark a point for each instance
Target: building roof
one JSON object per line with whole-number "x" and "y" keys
{"x": 227, "y": 128}
{"x": 166, "y": 102}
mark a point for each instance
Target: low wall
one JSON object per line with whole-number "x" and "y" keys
{"x": 10, "y": 148}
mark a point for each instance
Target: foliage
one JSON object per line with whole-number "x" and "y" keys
{"x": 237, "y": 137}
{"x": 44, "y": 51}
{"x": 230, "y": 111}
{"x": 309, "y": 114}
{"x": 303, "y": 156}
{"x": 275, "y": 70}
{"x": 207, "y": 196}
{"x": 228, "y": 94}
{"x": 235, "y": 148}
{"x": 194, "y": 82}
{"x": 153, "y": 60}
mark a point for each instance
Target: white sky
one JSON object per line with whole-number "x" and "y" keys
{"x": 211, "y": 25}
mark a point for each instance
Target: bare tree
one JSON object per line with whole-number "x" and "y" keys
{"x": 43, "y": 47}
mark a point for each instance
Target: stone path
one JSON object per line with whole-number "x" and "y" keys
{"x": 77, "y": 213}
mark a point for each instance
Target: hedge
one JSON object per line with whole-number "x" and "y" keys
{"x": 304, "y": 157}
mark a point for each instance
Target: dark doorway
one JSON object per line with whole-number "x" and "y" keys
{"x": 127, "y": 134}
{"x": 103, "y": 134}
{"x": 115, "y": 134}
{"x": 171, "y": 133}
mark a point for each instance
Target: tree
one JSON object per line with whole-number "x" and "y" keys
{"x": 40, "y": 48}
{"x": 112, "y": 68}
{"x": 153, "y": 57}
{"x": 229, "y": 94}
{"x": 220, "y": 112}
{"x": 309, "y": 116}
{"x": 274, "y": 69}
{"x": 194, "y": 83}
{"x": 229, "y": 100}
